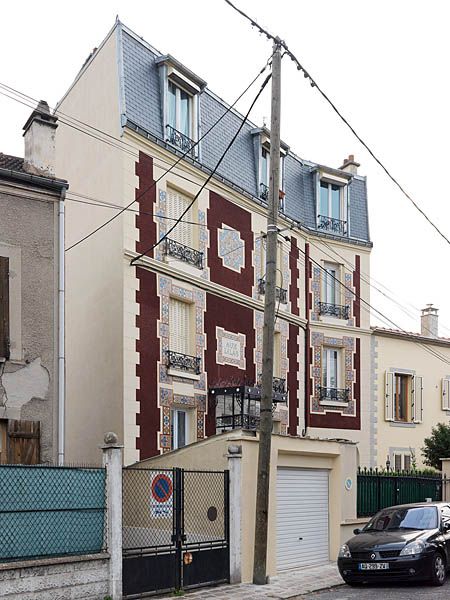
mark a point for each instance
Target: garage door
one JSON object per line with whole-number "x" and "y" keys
{"x": 302, "y": 518}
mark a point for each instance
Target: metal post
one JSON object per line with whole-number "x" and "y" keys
{"x": 262, "y": 492}
{"x": 178, "y": 537}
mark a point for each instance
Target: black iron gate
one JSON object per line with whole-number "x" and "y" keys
{"x": 175, "y": 529}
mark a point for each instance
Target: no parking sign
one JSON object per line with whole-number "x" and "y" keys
{"x": 161, "y": 501}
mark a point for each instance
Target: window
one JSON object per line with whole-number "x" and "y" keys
{"x": 4, "y": 308}
{"x": 330, "y": 370}
{"x": 446, "y": 394}
{"x": 264, "y": 175}
{"x": 331, "y": 389}
{"x": 277, "y": 354}
{"x": 331, "y": 214}
{"x": 179, "y": 427}
{"x": 177, "y": 203}
{"x": 179, "y": 110}
{"x": 179, "y": 89}
{"x": 180, "y": 327}
{"x": 402, "y": 461}
{"x": 401, "y": 397}
{"x": 404, "y": 397}
{"x": 331, "y": 275}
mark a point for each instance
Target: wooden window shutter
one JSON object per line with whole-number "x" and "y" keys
{"x": 446, "y": 394}
{"x": 416, "y": 398}
{"x": 4, "y": 307}
{"x": 389, "y": 409}
{"x": 24, "y": 447}
{"x": 179, "y": 326}
{"x": 176, "y": 205}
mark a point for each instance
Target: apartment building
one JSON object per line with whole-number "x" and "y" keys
{"x": 168, "y": 350}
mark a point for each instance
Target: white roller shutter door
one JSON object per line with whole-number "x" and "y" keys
{"x": 302, "y": 518}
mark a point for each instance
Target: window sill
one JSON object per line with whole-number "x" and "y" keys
{"x": 333, "y": 403}
{"x": 183, "y": 374}
{"x": 402, "y": 424}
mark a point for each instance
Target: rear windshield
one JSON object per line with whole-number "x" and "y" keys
{"x": 421, "y": 517}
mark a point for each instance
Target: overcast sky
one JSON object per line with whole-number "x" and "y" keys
{"x": 383, "y": 62}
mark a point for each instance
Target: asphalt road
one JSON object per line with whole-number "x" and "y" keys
{"x": 393, "y": 592}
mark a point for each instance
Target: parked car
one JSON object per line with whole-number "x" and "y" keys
{"x": 410, "y": 542}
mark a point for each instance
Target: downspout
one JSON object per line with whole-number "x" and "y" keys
{"x": 61, "y": 330}
{"x": 307, "y": 344}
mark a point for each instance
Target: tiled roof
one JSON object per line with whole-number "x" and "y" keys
{"x": 410, "y": 334}
{"x": 14, "y": 163}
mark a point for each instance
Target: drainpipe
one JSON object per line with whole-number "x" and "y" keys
{"x": 61, "y": 331}
{"x": 307, "y": 342}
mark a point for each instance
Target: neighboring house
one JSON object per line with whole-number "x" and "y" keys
{"x": 31, "y": 339}
{"x": 411, "y": 391}
{"x": 169, "y": 350}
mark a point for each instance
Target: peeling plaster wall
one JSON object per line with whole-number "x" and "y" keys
{"x": 28, "y": 385}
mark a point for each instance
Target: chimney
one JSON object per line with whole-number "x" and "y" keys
{"x": 350, "y": 165}
{"x": 429, "y": 322}
{"x": 39, "y": 134}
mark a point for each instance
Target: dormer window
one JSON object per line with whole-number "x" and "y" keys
{"x": 262, "y": 152}
{"x": 332, "y": 204}
{"x": 180, "y": 90}
{"x": 179, "y": 117}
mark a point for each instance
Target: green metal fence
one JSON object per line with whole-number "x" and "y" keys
{"x": 51, "y": 511}
{"x": 378, "y": 489}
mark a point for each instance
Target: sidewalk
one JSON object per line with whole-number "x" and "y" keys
{"x": 291, "y": 584}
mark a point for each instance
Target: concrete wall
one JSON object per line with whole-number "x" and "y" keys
{"x": 28, "y": 237}
{"x": 339, "y": 458}
{"x": 85, "y": 577}
{"x": 94, "y": 269}
{"x": 396, "y": 353}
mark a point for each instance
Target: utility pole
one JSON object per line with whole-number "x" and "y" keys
{"x": 265, "y": 433}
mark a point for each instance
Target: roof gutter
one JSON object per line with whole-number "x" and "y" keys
{"x": 43, "y": 182}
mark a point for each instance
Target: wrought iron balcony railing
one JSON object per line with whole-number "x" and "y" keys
{"x": 280, "y": 293}
{"x": 334, "y": 394}
{"x": 263, "y": 191}
{"x": 184, "y": 253}
{"x": 183, "y": 362}
{"x": 278, "y": 384}
{"x": 178, "y": 139}
{"x": 237, "y": 421}
{"x": 332, "y": 225}
{"x": 334, "y": 310}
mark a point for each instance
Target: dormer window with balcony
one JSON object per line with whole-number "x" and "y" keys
{"x": 180, "y": 91}
{"x": 262, "y": 153}
{"x": 332, "y": 194}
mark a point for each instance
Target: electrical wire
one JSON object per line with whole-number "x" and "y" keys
{"x": 230, "y": 143}
{"x": 228, "y": 109}
{"x": 340, "y": 115}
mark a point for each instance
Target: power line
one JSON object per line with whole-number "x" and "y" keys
{"x": 229, "y": 108}
{"x": 208, "y": 179}
{"x": 340, "y": 115}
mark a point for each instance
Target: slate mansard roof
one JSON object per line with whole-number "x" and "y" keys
{"x": 141, "y": 110}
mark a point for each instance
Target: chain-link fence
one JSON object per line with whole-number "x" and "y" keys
{"x": 51, "y": 511}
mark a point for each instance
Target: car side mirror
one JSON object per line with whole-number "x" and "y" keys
{"x": 357, "y": 531}
{"x": 446, "y": 526}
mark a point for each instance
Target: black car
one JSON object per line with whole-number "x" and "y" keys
{"x": 410, "y": 542}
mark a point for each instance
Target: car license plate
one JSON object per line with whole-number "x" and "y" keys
{"x": 373, "y": 566}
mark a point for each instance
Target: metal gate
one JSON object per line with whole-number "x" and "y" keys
{"x": 175, "y": 529}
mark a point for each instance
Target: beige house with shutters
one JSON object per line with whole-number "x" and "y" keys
{"x": 410, "y": 391}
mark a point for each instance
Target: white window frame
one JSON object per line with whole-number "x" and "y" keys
{"x": 192, "y": 106}
{"x": 189, "y": 327}
{"x": 445, "y": 390}
{"x": 333, "y": 282}
{"x": 414, "y": 397}
{"x": 326, "y": 362}
{"x": 402, "y": 456}
{"x": 175, "y": 415}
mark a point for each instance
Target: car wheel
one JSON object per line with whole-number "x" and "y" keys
{"x": 438, "y": 570}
